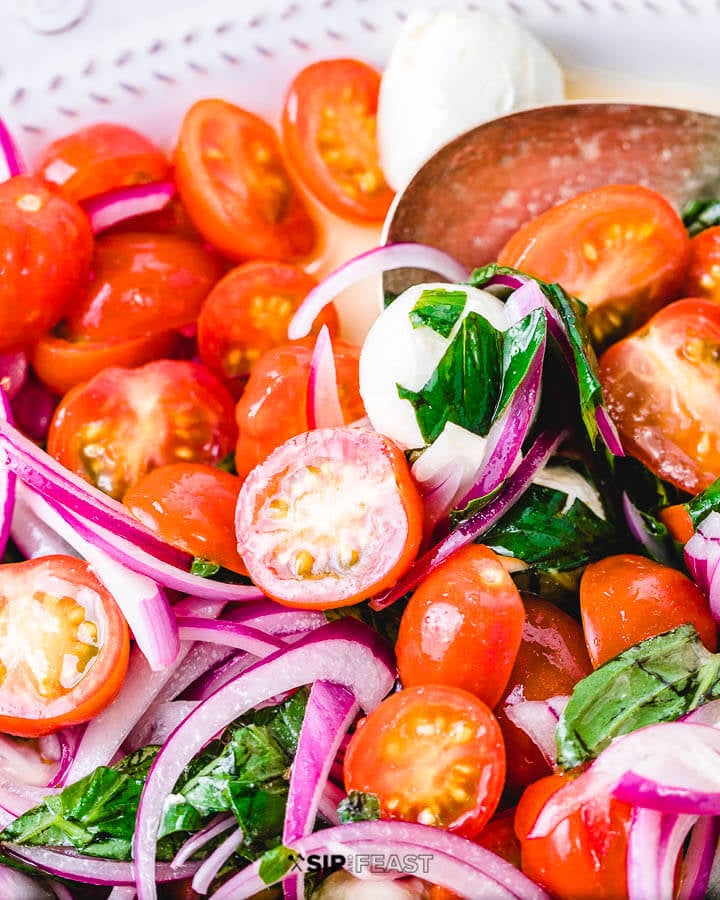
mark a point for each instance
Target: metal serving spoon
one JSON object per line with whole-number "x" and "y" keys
{"x": 471, "y": 196}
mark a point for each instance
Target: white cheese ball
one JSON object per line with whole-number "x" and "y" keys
{"x": 394, "y": 352}
{"x": 450, "y": 71}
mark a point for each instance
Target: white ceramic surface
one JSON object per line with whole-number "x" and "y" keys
{"x": 67, "y": 62}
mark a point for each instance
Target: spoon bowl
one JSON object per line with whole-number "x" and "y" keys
{"x": 477, "y": 190}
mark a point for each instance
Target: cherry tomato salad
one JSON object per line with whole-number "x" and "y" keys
{"x": 281, "y": 614}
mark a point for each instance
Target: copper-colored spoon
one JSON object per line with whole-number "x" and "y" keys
{"x": 471, "y": 196}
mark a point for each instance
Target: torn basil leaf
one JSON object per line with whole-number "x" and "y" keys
{"x": 704, "y": 503}
{"x": 359, "y": 807}
{"x": 521, "y": 342}
{"x": 658, "y": 680}
{"x": 438, "y": 309}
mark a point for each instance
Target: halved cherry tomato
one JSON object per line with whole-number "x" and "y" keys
{"x": 678, "y": 522}
{"x": 248, "y": 312}
{"x": 114, "y": 428}
{"x": 99, "y": 158}
{"x": 432, "y": 754}
{"x": 703, "y": 274}
{"x": 499, "y": 836}
{"x": 551, "y": 660}
{"x": 585, "y": 856}
{"x": 140, "y": 284}
{"x": 625, "y": 599}
{"x": 45, "y": 250}
{"x": 622, "y": 249}
{"x": 329, "y": 130}
{"x": 61, "y": 364}
{"x": 462, "y": 626}
{"x": 64, "y": 645}
{"x": 662, "y": 388}
{"x": 273, "y": 405}
{"x": 234, "y": 184}
{"x": 330, "y": 518}
{"x": 192, "y": 506}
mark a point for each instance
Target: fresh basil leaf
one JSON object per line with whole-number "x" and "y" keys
{"x": 704, "y": 503}
{"x": 657, "y": 680}
{"x": 521, "y": 343}
{"x": 205, "y": 568}
{"x": 697, "y": 215}
{"x": 260, "y": 811}
{"x": 275, "y": 863}
{"x": 359, "y": 807}
{"x": 465, "y": 386}
{"x": 438, "y": 309}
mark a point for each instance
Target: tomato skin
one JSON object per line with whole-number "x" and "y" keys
{"x": 329, "y": 130}
{"x": 61, "y": 364}
{"x": 662, "y": 388}
{"x": 142, "y": 284}
{"x": 248, "y": 313}
{"x": 499, "y": 836}
{"x": 678, "y": 522}
{"x": 192, "y": 506}
{"x": 622, "y": 249}
{"x": 326, "y": 559}
{"x": 100, "y": 158}
{"x": 233, "y": 182}
{"x": 45, "y": 250}
{"x": 272, "y": 408}
{"x": 625, "y": 599}
{"x": 462, "y": 626}
{"x": 420, "y": 744}
{"x": 585, "y": 856}
{"x": 113, "y": 429}
{"x": 703, "y": 274}
{"x": 43, "y": 603}
{"x": 552, "y": 658}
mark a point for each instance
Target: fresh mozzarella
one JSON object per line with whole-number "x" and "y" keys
{"x": 395, "y": 353}
{"x": 450, "y": 71}
{"x": 454, "y": 446}
{"x": 572, "y": 483}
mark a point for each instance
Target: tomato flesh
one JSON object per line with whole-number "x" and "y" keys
{"x": 64, "y": 645}
{"x": 432, "y": 754}
{"x": 703, "y": 275}
{"x": 330, "y": 518}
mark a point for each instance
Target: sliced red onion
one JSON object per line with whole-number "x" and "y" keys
{"x": 199, "y": 661}
{"x": 272, "y": 618}
{"x": 635, "y": 523}
{"x": 13, "y": 372}
{"x": 608, "y": 431}
{"x": 17, "y": 796}
{"x": 654, "y": 845}
{"x": 33, "y": 408}
{"x": 32, "y": 536}
{"x": 374, "y": 262}
{"x": 440, "y": 495}
{"x": 211, "y": 866}
{"x": 231, "y": 634}
{"x": 21, "y": 761}
{"x": 158, "y": 723}
{"x": 477, "y": 524}
{"x": 329, "y": 713}
{"x": 538, "y": 719}
{"x": 69, "y": 742}
{"x": 198, "y": 840}
{"x": 515, "y": 282}
{"x": 90, "y": 869}
{"x": 699, "y": 859}
{"x": 225, "y": 670}
{"x": 115, "y": 206}
{"x": 455, "y": 863}
{"x": 702, "y": 555}
{"x": 8, "y": 485}
{"x": 16, "y": 885}
{"x": 56, "y": 483}
{"x": 329, "y": 802}
{"x": 120, "y": 892}
{"x": 63, "y": 893}
{"x": 323, "y": 400}
{"x": 11, "y": 160}
{"x": 345, "y": 651}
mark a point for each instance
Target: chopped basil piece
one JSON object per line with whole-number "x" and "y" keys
{"x": 275, "y": 863}
{"x": 205, "y": 568}
{"x": 438, "y": 309}
{"x": 704, "y": 503}
{"x": 698, "y": 215}
{"x": 359, "y": 807}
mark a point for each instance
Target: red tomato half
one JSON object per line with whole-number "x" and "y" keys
{"x": 625, "y": 599}
{"x": 248, "y": 312}
{"x": 192, "y": 506}
{"x": 330, "y": 518}
{"x": 235, "y": 187}
{"x": 433, "y": 755}
{"x": 64, "y": 645}
{"x": 622, "y": 249}
{"x": 45, "y": 250}
{"x": 462, "y": 626}
{"x": 124, "y": 422}
{"x": 329, "y": 130}
{"x": 99, "y": 158}
{"x": 703, "y": 275}
{"x": 141, "y": 284}
{"x": 662, "y": 388}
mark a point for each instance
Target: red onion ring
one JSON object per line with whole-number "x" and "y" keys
{"x": 323, "y": 401}
{"x": 654, "y": 845}
{"x": 538, "y": 719}
{"x": 11, "y": 160}
{"x": 106, "y": 210}
{"x": 699, "y": 859}
{"x": 637, "y": 528}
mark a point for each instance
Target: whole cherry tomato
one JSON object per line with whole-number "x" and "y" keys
{"x": 432, "y": 754}
{"x": 585, "y": 856}
{"x": 625, "y": 599}
{"x": 114, "y": 428}
{"x": 99, "y": 158}
{"x": 622, "y": 249}
{"x": 64, "y": 645}
{"x": 273, "y": 405}
{"x": 462, "y": 626}
{"x": 551, "y": 660}
{"x": 233, "y": 182}
{"x": 45, "y": 250}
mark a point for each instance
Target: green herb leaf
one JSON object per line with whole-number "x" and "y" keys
{"x": 275, "y": 863}
{"x": 701, "y": 214}
{"x": 704, "y": 503}
{"x": 521, "y": 342}
{"x": 465, "y": 386}
{"x": 205, "y": 568}
{"x": 657, "y": 680}
{"x": 438, "y": 309}
{"x": 359, "y": 807}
